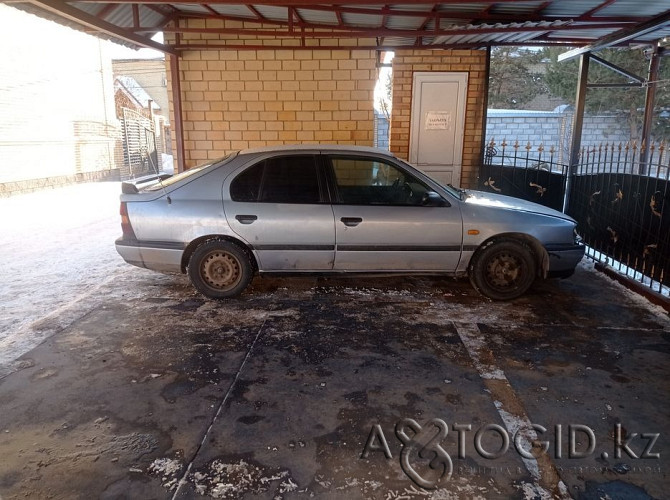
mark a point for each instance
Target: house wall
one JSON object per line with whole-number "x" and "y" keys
{"x": 405, "y": 63}
{"x": 235, "y": 99}
{"x": 151, "y": 74}
{"x": 56, "y": 113}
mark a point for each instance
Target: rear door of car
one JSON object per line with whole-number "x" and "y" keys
{"x": 280, "y": 206}
{"x": 383, "y": 221}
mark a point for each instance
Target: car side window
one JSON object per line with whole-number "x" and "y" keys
{"x": 367, "y": 181}
{"x": 285, "y": 179}
{"x": 246, "y": 186}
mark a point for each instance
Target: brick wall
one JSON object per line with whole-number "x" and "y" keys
{"x": 235, "y": 99}
{"x": 405, "y": 63}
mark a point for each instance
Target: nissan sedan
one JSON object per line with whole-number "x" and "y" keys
{"x": 330, "y": 209}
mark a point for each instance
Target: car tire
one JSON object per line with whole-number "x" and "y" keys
{"x": 220, "y": 269}
{"x": 503, "y": 269}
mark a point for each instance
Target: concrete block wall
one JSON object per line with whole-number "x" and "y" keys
{"x": 553, "y": 129}
{"x": 405, "y": 63}
{"x": 235, "y": 99}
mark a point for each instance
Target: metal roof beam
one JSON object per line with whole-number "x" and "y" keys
{"x": 255, "y": 12}
{"x": 617, "y": 69}
{"x": 337, "y": 32}
{"x": 381, "y": 46}
{"x": 70, "y": 13}
{"x": 621, "y": 36}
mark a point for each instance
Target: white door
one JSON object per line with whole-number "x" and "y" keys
{"x": 438, "y": 119}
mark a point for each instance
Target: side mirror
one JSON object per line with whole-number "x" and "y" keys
{"x": 432, "y": 199}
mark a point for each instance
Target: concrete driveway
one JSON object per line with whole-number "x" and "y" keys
{"x": 389, "y": 388}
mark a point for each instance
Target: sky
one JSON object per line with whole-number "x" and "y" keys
{"x": 121, "y": 52}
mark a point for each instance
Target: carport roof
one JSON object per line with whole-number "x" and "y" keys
{"x": 418, "y": 23}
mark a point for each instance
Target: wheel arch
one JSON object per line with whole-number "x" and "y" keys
{"x": 539, "y": 252}
{"x": 190, "y": 248}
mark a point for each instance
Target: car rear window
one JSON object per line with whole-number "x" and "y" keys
{"x": 187, "y": 173}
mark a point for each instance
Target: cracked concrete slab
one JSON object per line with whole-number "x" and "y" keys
{"x": 154, "y": 392}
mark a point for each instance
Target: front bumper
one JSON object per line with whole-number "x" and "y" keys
{"x": 563, "y": 259}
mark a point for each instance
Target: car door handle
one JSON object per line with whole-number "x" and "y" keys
{"x": 246, "y": 219}
{"x": 351, "y": 221}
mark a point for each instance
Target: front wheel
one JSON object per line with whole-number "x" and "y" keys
{"x": 503, "y": 270}
{"x": 219, "y": 269}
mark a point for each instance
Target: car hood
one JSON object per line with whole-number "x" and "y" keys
{"x": 510, "y": 203}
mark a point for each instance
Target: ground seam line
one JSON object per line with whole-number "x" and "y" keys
{"x": 475, "y": 344}
{"x": 182, "y": 481}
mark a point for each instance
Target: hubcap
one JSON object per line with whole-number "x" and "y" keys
{"x": 504, "y": 270}
{"x": 220, "y": 270}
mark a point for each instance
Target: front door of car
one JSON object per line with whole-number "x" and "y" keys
{"x": 280, "y": 207}
{"x": 386, "y": 219}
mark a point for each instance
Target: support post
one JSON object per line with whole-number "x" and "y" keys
{"x": 577, "y": 124}
{"x": 650, "y": 99}
{"x": 178, "y": 118}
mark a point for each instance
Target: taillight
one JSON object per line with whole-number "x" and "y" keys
{"x": 127, "y": 229}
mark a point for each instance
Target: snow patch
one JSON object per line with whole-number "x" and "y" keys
{"x": 231, "y": 480}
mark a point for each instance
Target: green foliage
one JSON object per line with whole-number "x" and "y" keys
{"x": 513, "y": 81}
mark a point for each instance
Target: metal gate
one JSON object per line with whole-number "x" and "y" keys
{"x": 139, "y": 146}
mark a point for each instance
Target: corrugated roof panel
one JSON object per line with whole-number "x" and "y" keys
{"x": 121, "y": 16}
{"x": 396, "y": 41}
{"x": 446, "y": 23}
{"x": 657, "y": 35}
{"x": 89, "y": 8}
{"x": 516, "y": 8}
{"x": 232, "y": 10}
{"x": 148, "y": 17}
{"x": 593, "y": 34}
{"x": 273, "y": 13}
{"x": 192, "y": 7}
{"x": 635, "y": 7}
{"x": 404, "y": 22}
{"x": 571, "y": 9}
{"x": 362, "y": 20}
{"x": 318, "y": 16}
{"x": 413, "y": 7}
{"x": 471, "y": 8}
{"x": 31, "y": 9}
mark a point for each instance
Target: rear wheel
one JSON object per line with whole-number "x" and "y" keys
{"x": 220, "y": 269}
{"x": 503, "y": 270}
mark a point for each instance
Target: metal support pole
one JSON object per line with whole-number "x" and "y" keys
{"x": 487, "y": 76}
{"x": 650, "y": 99}
{"x": 178, "y": 118}
{"x": 577, "y": 124}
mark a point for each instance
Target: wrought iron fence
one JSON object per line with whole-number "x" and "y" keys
{"x": 620, "y": 200}
{"x": 527, "y": 172}
{"x": 619, "y": 196}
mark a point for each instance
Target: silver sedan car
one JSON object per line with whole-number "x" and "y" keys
{"x": 330, "y": 209}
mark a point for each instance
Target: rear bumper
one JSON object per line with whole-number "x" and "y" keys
{"x": 563, "y": 259}
{"x": 163, "y": 256}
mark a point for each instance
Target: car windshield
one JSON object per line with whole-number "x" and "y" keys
{"x": 191, "y": 171}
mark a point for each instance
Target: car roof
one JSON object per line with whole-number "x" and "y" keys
{"x": 317, "y": 147}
